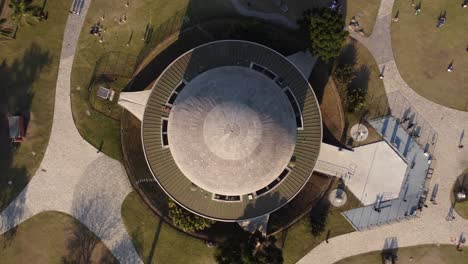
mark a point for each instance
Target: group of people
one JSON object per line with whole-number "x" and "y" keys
{"x": 96, "y": 30}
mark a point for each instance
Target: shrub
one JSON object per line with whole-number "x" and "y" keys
{"x": 326, "y": 29}
{"x": 185, "y": 220}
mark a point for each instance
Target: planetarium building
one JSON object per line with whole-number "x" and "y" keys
{"x": 231, "y": 130}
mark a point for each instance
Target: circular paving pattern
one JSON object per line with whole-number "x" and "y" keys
{"x": 337, "y": 197}
{"x": 359, "y": 132}
{"x": 232, "y": 130}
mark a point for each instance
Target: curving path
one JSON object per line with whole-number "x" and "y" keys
{"x": 273, "y": 17}
{"x": 73, "y": 177}
{"x": 431, "y": 227}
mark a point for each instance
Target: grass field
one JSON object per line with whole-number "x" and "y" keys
{"x": 28, "y": 75}
{"x": 423, "y": 52}
{"x": 423, "y": 254}
{"x": 156, "y": 241}
{"x": 51, "y": 237}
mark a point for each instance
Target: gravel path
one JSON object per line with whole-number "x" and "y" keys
{"x": 73, "y": 177}
{"x": 431, "y": 227}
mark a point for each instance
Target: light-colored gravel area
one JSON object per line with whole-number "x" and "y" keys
{"x": 431, "y": 227}
{"x": 74, "y": 177}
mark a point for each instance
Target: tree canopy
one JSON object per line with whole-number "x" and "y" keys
{"x": 185, "y": 220}
{"x": 24, "y": 12}
{"x": 326, "y": 29}
{"x": 248, "y": 248}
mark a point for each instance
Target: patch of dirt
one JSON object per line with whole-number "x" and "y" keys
{"x": 332, "y": 110}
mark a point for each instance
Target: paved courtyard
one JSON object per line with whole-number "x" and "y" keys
{"x": 371, "y": 170}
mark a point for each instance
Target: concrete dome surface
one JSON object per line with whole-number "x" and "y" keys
{"x": 232, "y": 130}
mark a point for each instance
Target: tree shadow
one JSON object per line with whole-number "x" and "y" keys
{"x": 155, "y": 241}
{"x": 99, "y": 219}
{"x": 16, "y": 93}
{"x": 90, "y": 210}
{"x": 318, "y": 217}
{"x": 348, "y": 55}
{"x": 390, "y": 250}
{"x": 360, "y": 81}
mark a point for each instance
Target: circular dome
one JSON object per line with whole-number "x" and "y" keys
{"x": 232, "y": 130}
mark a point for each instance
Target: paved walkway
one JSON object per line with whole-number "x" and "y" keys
{"x": 272, "y": 17}
{"x": 431, "y": 227}
{"x": 73, "y": 178}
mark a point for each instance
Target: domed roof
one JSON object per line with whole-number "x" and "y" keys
{"x": 223, "y": 123}
{"x": 232, "y": 130}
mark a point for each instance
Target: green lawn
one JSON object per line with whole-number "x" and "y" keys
{"x": 51, "y": 237}
{"x": 298, "y": 240}
{"x": 28, "y": 75}
{"x": 423, "y": 52}
{"x": 423, "y": 254}
{"x": 365, "y": 11}
{"x": 96, "y": 127}
{"x": 156, "y": 241}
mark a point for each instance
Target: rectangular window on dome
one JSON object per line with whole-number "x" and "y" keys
{"x": 227, "y": 198}
{"x": 295, "y": 107}
{"x": 181, "y": 85}
{"x": 264, "y": 71}
{"x": 274, "y": 183}
{"x": 164, "y": 138}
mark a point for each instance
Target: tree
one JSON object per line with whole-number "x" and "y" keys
{"x": 186, "y": 220}
{"x": 344, "y": 74}
{"x": 248, "y": 248}
{"x": 327, "y": 34}
{"x": 24, "y": 12}
{"x": 356, "y": 98}
{"x": 318, "y": 218}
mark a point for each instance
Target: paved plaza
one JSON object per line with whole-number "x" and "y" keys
{"x": 370, "y": 170}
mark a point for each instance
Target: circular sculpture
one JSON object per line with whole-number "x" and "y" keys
{"x": 240, "y": 126}
{"x": 337, "y": 197}
{"x": 231, "y": 130}
{"x": 359, "y": 132}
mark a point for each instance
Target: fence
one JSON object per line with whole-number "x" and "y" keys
{"x": 156, "y": 35}
{"x": 396, "y": 105}
{"x": 112, "y": 69}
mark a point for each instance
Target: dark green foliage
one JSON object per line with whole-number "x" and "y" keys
{"x": 185, "y": 220}
{"x": 344, "y": 74}
{"x": 318, "y": 218}
{"x": 326, "y": 29}
{"x": 356, "y": 98}
{"x": 247, "y": 248}
{"x": 352, "y": 86}
{"x": 24, "y": 12}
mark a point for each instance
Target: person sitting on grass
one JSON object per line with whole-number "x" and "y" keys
{"x": 441, "y": 21}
